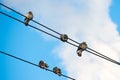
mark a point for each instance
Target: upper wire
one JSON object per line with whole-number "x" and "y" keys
{"x": 38, "y": 23}
{"x": 31, "y": 20}
{"x": 37, "y": 28}
{"x": 104, "y": 57}
{"x": 91, "y": 50}
{"x": 30, "y": 25}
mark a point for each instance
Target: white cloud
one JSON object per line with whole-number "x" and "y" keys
{"x": 83, "y": 20}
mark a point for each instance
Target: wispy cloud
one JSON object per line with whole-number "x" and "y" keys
{"x": 83, "y": 20}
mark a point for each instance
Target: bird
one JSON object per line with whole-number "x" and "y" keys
{"x": 57, "y": 71}
{"x": 79, "y": 52}
{"x": 43, "y": 65}
{"x": 28, "y": 17}
{"x": 64, "y": 37}
{"x": 82, "y": 46}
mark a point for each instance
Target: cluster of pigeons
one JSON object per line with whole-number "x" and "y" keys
{"x": 63, "y": 37}
{"x": 44, "y": 65}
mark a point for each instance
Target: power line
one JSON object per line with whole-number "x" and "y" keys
{"x": 38, "y": 23}
{"x": 98, "y": 54}
{"x": 7, "y": 54}
{"x": 91, "y": 50}
{"x": 104, "y": 57}
{"x": 30, "y": 25}
{"x": 19, "y": 58}
{"x": 31, "y": 20}
{"x": 36, "y": 28}
{"x": 39, "y": 30}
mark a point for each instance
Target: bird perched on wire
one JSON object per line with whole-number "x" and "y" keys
{"x": 57, "y": 71}
{"x": 81, "y": 48}
{"x": 63, "y": 37}
{"x": 28, "y": 17}
{"x": 43, "y": 65}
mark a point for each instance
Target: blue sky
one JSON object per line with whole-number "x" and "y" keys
{"x": 114, "y": 12}
{"x": 101, "y": 30}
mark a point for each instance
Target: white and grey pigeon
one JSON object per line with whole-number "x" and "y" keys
{"x": 28, "y": 17}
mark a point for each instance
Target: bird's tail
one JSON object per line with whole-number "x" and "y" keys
{"x": 26, "y": 21}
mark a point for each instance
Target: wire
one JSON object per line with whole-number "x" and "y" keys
{"x": 19, "y": 58}
{"x": 104, "y": 57}
{"x": 67, "y": 77}
{"x": 98, "y": 54}
{"x": 36, "y": 28}
{"x": 38, "y": 23}
{"x": 30, "y": 25}
{"x": 71, "y": 44}
{"x": 31, "y": 20}
{"x": 7, "y": 54}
